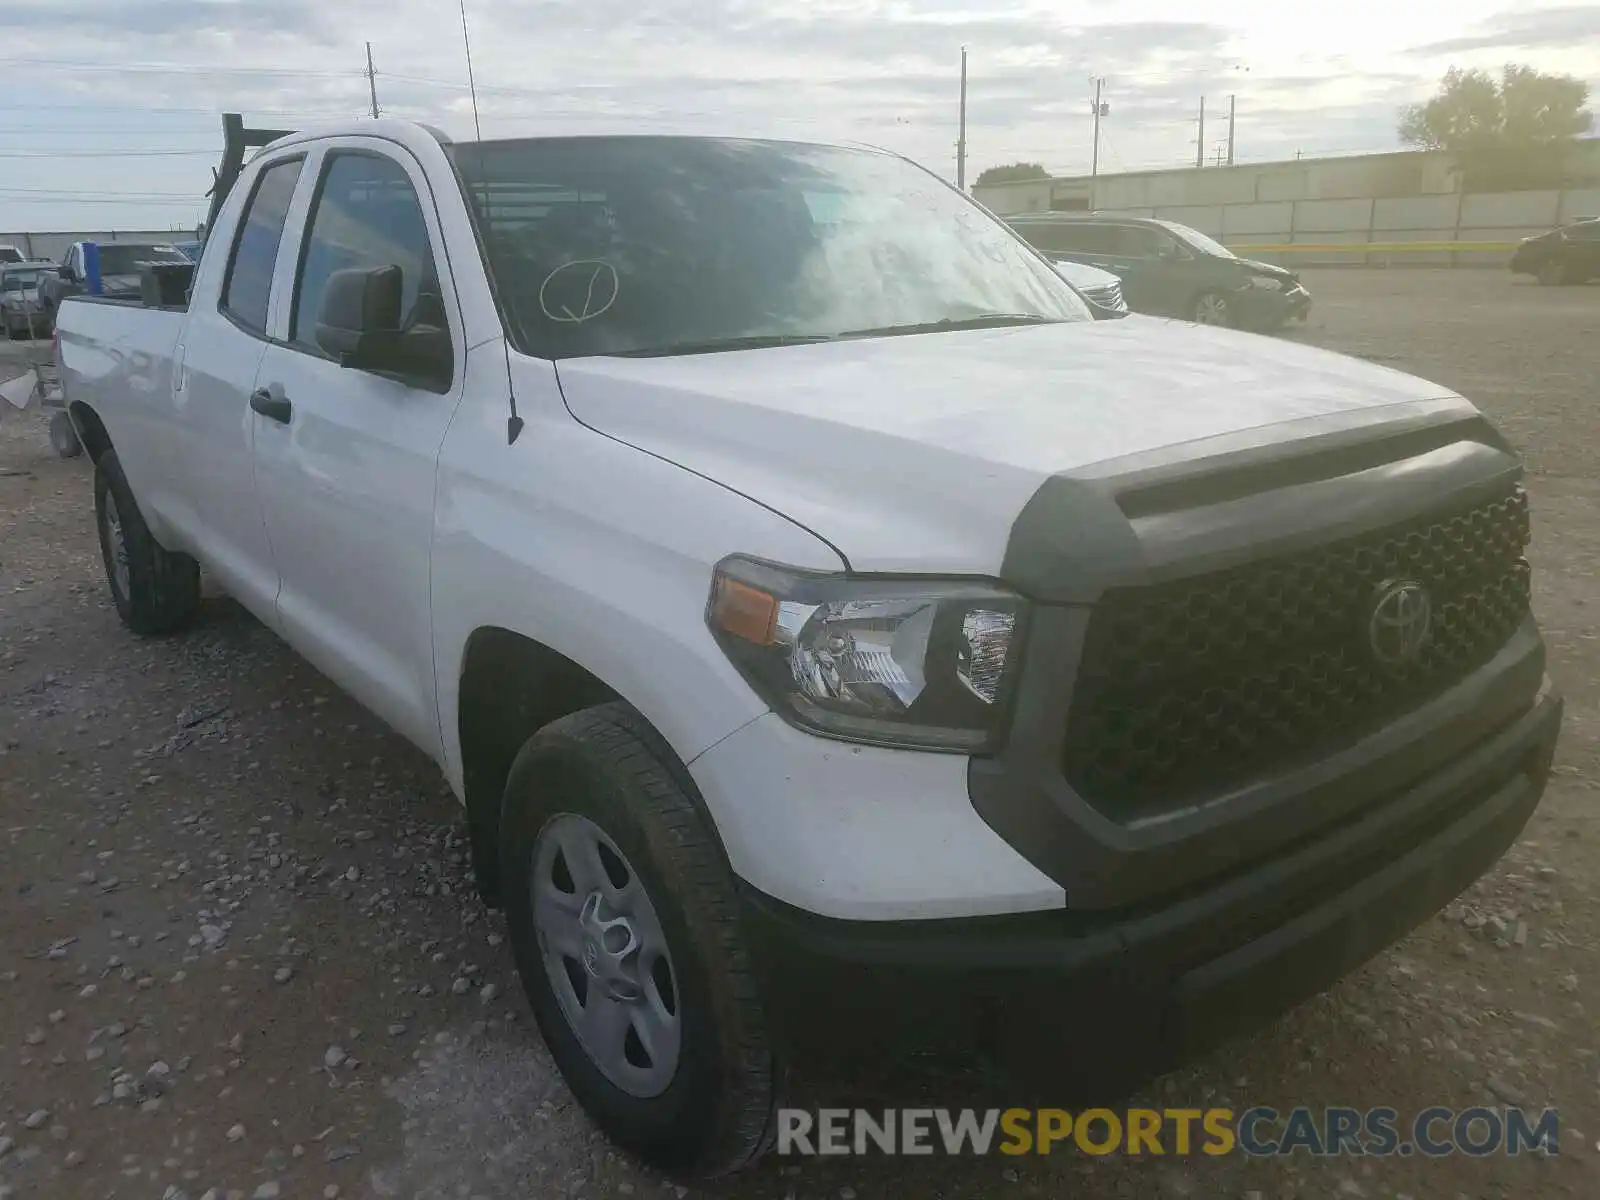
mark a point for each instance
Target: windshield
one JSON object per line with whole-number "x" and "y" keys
{"x": 639, "y": 245}
{"x": 1196, "y": 240}
{"x": 16, "y": 281}
{"x": 124, "y": 258}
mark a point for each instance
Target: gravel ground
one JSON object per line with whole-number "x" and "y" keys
{"x": 240, "y": 955}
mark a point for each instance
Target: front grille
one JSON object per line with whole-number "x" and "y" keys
{"x": 1190, "y": 687}
{"x": 1108, "y": 296}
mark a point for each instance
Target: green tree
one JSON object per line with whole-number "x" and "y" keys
{"x": 1506, "y": 133}
{"x": 1013, "y": 173}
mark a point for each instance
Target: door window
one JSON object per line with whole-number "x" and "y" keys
{"x": 1070, "y": 237}
{"x": 366, "y": 214}
{"x": 1589, "y": 231}
{"x": 248, "y": 285}
{"x": 1139, "y": 241}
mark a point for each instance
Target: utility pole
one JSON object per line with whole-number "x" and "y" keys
{"x": 1200, "y": 139}
{"x": 1230, "y": 130}
{"x": 961, "y": 140}
{"x": 1099, "y": 111}
{"x": 372, "y": 82}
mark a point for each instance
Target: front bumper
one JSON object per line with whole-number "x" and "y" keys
{"x": 1268, "y": 308}
{"x": 1116, "y": 996}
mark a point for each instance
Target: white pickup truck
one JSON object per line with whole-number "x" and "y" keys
{"x": 828, "y": 624}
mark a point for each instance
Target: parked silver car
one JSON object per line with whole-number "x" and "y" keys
{"x": 21, "y": 311}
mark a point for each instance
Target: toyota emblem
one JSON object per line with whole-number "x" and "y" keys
{"x": 1401, "y": 622}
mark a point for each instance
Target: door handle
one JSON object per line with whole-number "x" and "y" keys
{"x": 276, "y": 408}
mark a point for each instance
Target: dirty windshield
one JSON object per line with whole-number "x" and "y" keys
{"x": 657, "y": 245}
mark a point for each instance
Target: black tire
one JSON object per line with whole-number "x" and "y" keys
{"x": 608, "y": 765}
{"x": 63, "y": 437}
{"x": 162, "y": 589}
{"x": 1552, "y": 273}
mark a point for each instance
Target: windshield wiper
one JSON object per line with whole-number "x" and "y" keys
{"x": 952, "y": 324}
{"x": 761, "y": 341}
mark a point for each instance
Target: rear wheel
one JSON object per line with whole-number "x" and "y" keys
{"x": 1212, "y": 308}
{"x": 624, "y": 920}
{"x": 155, "y": 590}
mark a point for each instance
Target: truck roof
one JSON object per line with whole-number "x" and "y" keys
{"x": 413, "y": 133}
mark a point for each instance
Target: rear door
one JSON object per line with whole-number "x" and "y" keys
{"x": 1147, "y": 283}
{"x": 1075, "y": 241}
{"x": 345, "y": 459}
{"x": 214, "y": 371}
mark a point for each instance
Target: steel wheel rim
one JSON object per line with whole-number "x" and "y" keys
{"x": 1211, "y": 310}
{"x": 116, "y": 546}
{"x": 606, "y": 956}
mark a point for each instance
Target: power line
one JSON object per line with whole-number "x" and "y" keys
{"x": 122, "y": 200}
{"x": 168, "y": 68}
{"x": 10, "y": 189}
{"x": 109, "y": 153}
{"x": 120, "y": 107}
{"x": 102, "y": 131}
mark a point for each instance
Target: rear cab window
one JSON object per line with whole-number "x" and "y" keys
{"x": 247, "y": 287}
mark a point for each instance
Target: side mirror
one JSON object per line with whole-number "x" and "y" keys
{"x": 359, "y": 326}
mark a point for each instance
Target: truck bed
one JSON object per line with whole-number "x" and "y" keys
{"x": 116, "y": 356}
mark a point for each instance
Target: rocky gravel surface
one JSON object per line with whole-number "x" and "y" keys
{"x": 241, "y": 958}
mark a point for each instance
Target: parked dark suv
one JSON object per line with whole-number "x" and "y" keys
{"x": 1171, "y": 270}
{"x": 1570, "y": 254}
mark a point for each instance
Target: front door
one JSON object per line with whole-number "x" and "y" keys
{"x": 345, "y": 459}
{"x": 1583, "y": 251}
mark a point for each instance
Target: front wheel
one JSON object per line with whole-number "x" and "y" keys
{"x": 155, "y": 590}
{"x": 1212, "y": 308}
{"x": 1552, "y": 273}
{"x": 624, "y": 921}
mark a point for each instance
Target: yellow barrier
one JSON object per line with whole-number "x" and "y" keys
{"x": 1373, "y": 247}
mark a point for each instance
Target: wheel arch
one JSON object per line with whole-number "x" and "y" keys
{"x": 509, "y": 687}
{"x": 91, "y": 430}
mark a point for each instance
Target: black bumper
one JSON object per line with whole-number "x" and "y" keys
{"x": 1266, "y": 308}
{"x": 1110, "y": 999}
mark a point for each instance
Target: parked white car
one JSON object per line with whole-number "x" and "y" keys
{"x": 1093, "y": 284}
{"x": 810, "y": 641}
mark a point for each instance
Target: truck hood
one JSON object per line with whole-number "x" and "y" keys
{"x": 917, "y": 453}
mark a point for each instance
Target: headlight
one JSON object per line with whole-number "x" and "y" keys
{"x": 896, "y": 662}
{"x": 1270, "y": 282}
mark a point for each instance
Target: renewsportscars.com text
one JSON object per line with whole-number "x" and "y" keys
{"x": 1257, "y": 1132}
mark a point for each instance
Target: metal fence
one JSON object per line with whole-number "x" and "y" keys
{"x": 1455, "y": 229}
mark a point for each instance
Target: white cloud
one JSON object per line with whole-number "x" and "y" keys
{"x": 881, "y": 71}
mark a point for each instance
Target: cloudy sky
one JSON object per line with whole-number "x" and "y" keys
{"x": 108, "y": 108}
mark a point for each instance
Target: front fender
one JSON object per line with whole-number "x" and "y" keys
{"x": 599, "y": 551}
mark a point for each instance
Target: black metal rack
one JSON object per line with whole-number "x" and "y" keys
{"x": 237, "y": 138}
